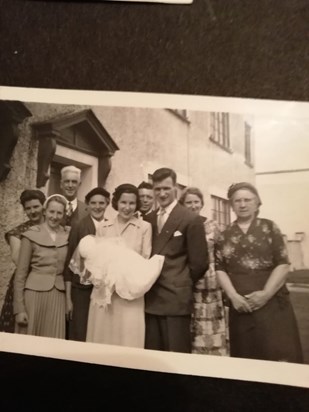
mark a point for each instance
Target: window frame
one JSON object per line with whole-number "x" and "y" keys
{"x": 220, "y": 207}
{"x": 248, "y": 145}
{"x": 220, "y": 130}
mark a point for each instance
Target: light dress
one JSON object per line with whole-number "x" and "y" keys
{"x": 117, "y": 263}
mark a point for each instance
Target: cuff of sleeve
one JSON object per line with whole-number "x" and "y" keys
{"x": 18, "y": 308}
{"x": 67, "y": 275}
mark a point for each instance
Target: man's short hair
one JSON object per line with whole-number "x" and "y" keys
{"x": 164, "y": 173}
{"x": 71, "y": 169}
{"x": 145, "y": 185}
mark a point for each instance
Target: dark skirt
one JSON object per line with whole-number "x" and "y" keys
{"x": 269, "y": 333}
{"x": 7, "y": 318}
{"x": 77, "y": 327}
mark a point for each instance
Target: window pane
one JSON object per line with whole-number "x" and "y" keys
{"x": 220, "y": 211}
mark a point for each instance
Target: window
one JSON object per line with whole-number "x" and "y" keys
{"x": 248, "y": 152}
{"x": 220, "y": 129}
{"x": 220, "y": 210}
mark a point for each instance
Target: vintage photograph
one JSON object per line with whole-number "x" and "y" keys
{"x": 175, "y": 228}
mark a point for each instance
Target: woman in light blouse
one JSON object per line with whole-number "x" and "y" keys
{"x": 123, "y": 321}
{"x": 39, "y": 297}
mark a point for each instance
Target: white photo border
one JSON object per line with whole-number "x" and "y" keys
{"x": 189, "y": 364}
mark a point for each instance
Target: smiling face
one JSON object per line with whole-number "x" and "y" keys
{"x": 126, "y": 206}
{"x": 97, "y": 206}
{"x": 146, "y": 198}
{"x": 34, "y": 210}
{"x": 165, "y": 191}
{"x": 69, "y": 185}
{"x": 194, "y": 203}
{"x": 54, "y": 214}
{"x": 244, "y": 204}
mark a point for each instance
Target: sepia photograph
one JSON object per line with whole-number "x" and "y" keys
{"x": 154, "y": 231}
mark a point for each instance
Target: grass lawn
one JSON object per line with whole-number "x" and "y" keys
{"x": 299, "y": 276}
{"x": 300, "y": 302}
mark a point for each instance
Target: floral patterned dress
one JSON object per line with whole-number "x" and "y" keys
{"x": 208, "y": 326}
{"x": 271, "y": 332}
{"x": 7, "y": 318}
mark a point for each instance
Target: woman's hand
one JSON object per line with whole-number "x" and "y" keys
{"x": 240, "y": 303}
{"x": 257, "y": 299}
{"x": 68, "y": 308}
{"x": 22, "y": 319}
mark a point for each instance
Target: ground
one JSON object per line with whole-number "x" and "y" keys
{"x": 299, "y": 294}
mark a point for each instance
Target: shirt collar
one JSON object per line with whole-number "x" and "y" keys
{"x": 168, "y": 209}
{"x": 97, "y": 224}
{"x": 135, "y": 221}
{"x": 73, "y": 202}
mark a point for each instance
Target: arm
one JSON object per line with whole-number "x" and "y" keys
{"x": 147, "y": 241}
{"x": 279, "y": 274}
{"x": 14, "y": 243}
{"x": 68, "y": 301}
{"x": 197, "y": 249}
{"x": 239, "y": 302}
{"x": 21, "y": 274}
{"x": 275, "y": 281}
{"x": 74, "y": 238}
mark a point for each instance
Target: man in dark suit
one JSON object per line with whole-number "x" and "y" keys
{"x": 69, "y": 184}
{"x": 76, "y": 210}
{"x": 77, "y": 293}
{"x": 179, "y": 235}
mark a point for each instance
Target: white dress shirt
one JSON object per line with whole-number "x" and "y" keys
{"x": 168, "y": 210}
{"x": 98, "y": 224}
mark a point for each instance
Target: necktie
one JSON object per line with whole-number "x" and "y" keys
{"x": 70, "y": 209}
{"x": 161, "y": 220}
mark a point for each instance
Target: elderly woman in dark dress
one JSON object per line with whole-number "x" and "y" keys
{"x": 32, "y": 202}
{"x": 252, "y": 266}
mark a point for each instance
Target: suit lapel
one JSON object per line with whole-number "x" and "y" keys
{"x": 160, "y": 240}
{"x": 90, "y": 227}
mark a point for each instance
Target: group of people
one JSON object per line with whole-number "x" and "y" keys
{"x": 214, "y": 292}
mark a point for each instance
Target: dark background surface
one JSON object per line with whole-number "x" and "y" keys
{"x": 248, "y": 48}
{"x": 252, "y": 48}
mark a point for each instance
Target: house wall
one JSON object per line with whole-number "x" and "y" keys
{"x": 285, "y": 199}
{"x": 282, "y": 167}
{"x": 148, "y": 139}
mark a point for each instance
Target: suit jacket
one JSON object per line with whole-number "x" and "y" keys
{"x": 41, "y": 263}
{"x": 78, "y": 231}
{"x": 79, "y": 213}
{"x": 182, "y": 242}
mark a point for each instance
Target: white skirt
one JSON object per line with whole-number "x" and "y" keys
{"x": 120, "y": 323}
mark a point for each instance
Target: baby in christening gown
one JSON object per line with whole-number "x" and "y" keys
{"x": 114, "y": 268}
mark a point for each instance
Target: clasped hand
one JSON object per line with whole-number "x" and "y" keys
{"x": 249, "y": 303}
{"x": 257, "y": 299}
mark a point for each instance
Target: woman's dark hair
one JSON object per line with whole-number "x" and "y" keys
{"x": 125, "y": 188}
{"x": 30, "y": 194}
{"x": 97, "y": 191}
{"x": 191, "y": 191}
